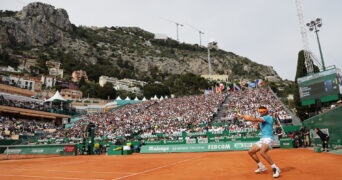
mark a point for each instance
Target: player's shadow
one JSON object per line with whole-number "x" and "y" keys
{"x": 287, "y": 169}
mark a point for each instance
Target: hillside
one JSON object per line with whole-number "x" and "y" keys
{"x": 40, "y": 32}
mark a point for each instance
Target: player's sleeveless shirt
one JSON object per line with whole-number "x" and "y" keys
{"x": 267, "y": 127}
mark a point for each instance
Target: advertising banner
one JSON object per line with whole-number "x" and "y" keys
{"x": 211, "y": 147}
{"x": 69, "y": 148}
{"x": 35, "y": 149}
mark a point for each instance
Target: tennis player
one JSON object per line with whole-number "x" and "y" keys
{"x": 265, "y": 122}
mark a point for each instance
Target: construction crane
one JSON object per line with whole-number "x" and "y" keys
{"x": 177, "y": 24}
{"x": 200, "y": 33}
{"x": 308, "y": 56}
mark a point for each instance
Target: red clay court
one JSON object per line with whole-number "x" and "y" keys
{"x": 294, "y": 164}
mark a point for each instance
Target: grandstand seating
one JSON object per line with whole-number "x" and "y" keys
{"x": 172, "y": 116}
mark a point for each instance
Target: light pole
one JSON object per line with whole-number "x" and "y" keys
{"x": 209, "y": 64}
{"x": 211, "y": 45}
{"x": 314, "y": 25}
{"x": 177, "y": 24}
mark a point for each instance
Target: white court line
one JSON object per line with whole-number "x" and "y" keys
{"x": 62, "y": 171}
{"x": 98, "y": 172}
{"x": 43, "y": 177}
{"x": 149, "y": 170}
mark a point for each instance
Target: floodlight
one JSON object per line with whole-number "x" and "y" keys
{"x": 315, "y": 25}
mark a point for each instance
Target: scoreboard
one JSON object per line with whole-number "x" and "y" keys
{"x": 324, "y": 86}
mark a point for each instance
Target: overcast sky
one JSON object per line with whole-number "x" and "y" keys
{"x": 265, "y": 31}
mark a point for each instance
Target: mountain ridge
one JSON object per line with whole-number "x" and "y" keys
{"x": 42, "y": 32}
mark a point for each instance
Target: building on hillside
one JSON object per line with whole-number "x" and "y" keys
{"x": 127, "y": 88}
{"x": 104, "y": 79}
{"x": 53, "y": 64}
{"x": 54, "y": 68}
{"x": 5, "y": 79}
{"x": 38, "y": 86}
{"x": 213, "y": 45}
{"x": 67, "y": 85}
{"x": 216, "y": 77}
{"x": 48, "y": 81}
{"x": 71, "y": 94}
{"x": 56, "y": 72}
{"x": 25, "y": 64}
{"x": 8, "y": 69}
{"x": 160, "y": 36}
{"x": 131, "y": 82}
{"x": 272, "y": 78}
{"x": 126, "y": 84}
{"x": 77, "y": 75}
{"x": 30, "y": 83}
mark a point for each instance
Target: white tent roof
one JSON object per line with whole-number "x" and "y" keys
{"x": 56, "y": 96}
{"x": 118, "y": 98}
{"x": 127, "y": 98}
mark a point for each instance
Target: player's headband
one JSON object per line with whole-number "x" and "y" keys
{"x": 262, "y": 110}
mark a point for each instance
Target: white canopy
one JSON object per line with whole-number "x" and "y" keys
{"x": 57, "y": 96}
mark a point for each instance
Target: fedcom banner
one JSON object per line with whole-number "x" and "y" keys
{"x": 39, "y": 149}
{"x": 227, "y": 146}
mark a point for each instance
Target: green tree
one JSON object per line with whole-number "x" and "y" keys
{"x": 107, "y": 91}
{"x": 186, "y": 84}
{"x": 302, "y": 111}
{"x": 6, "y": 60}
{"x": 274, "y": 87}
{"x": 152, "y": 89}
{"x": 43, "y": 69}
{"x": 87, "y": 88}
{"x": 82, "y": 82}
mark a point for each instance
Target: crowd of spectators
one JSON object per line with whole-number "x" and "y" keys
{"x": 21, "y": 101}
{"x": 171, "y": 116}
{"x": 11, "y": 127}
{"x": 247, "y": 102}
{"x": 168, "y": 116}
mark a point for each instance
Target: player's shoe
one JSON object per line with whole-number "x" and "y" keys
{"x": 276, "y": 172}
{"x": 260, "y": 169}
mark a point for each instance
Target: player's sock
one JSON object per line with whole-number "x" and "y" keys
{"x": 260, "y": 164}
{"x": 274, "y": 166}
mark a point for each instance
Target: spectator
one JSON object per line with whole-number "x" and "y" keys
{"x": 324, "y": 138}
{"x": 305, "y": 134}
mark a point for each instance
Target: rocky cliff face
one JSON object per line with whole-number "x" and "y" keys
{"x": 41, "y": 29}
{"x": 37, "y": 24}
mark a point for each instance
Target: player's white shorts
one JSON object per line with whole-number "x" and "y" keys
{"x": 267, "y": 141}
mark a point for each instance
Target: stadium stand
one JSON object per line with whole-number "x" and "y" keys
{"x": 202, "y": 118}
